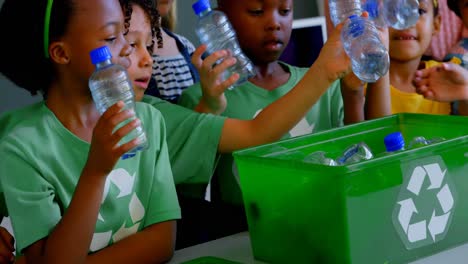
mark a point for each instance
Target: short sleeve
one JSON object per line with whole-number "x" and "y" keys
{"x": 164, "y": 205}
{"x": 189, "y": 132}
{"x": 191, "y": 96}
{"x": 29, "y": 197}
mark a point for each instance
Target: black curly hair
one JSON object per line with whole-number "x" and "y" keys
{"x": 149, "y": 6}
{"x": 454, "y": 6}
{"x": 22, "y": 29}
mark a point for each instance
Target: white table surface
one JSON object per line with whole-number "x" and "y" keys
{"x": 237, "y": 248}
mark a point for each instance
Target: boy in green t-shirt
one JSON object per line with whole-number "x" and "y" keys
{"x": 263, "y": 29}
{"x": 194, "y": 139}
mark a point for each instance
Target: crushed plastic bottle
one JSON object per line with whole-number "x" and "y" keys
{"x": 422, "y": 141}
{"x": 319, "y": 157}
{"x": 355, "y": 153}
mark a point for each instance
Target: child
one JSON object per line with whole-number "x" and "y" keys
{"x": 188, "y": 132}
{"x": 67, "y": 190}
{"x": 172, "y": 69}
{"x": 460, "y": 50}
{"x": 406, "y": 50}
{"x": 263, "y": 29}
{"x": 235, "y": 133}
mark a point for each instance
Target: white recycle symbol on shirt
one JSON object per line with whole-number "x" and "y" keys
{"x": 124, "y": 182}
{"x": 438, "y": 222}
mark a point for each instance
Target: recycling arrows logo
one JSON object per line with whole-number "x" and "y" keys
{"x": 425, "y": 205}
{"x": 125, "y": 184}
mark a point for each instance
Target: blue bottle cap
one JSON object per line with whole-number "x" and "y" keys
{"x": 100, "y": 54}
{"x": 372, "y": 7}
{"x": 356, "y": 25}
{"x": 201, "y": 6}
{"x": 394, "y": 141}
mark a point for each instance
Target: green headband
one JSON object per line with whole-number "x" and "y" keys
{"x": 46, "y": 27}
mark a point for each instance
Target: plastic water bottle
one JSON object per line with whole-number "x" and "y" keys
{"x": 375, "y": 10}
{"x": 109, "y": 84}
{"x": 355, "y": 153}
{"x": 319, "y": 157}
{"x": 215, "y": 30}
{"x": 398, "y": 14}
{"x": 420, "y": 141}
{"x": 340, "y": 10}
{"x": 361, "y": 41}
{"x": 401, "y": 14}
{"x": 394, "y": 142}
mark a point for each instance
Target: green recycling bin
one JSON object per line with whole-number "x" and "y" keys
{"x": 394, "y": 208}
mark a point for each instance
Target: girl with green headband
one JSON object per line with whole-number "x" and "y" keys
{"x": 70, "y": 196}
{"x": 86, "y": 203}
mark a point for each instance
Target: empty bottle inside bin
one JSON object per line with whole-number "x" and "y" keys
{"x": 320, "y": 157}
{"x": 422, "y": 141}
{"x": 355, "y": 153}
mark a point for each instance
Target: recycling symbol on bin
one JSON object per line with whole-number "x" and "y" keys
{"x": 425, "y": 206}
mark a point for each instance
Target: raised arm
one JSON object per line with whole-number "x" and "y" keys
{"x": 280, "y": 116}
{"x": 352, "y": 91}
{"x": 378, "y": 99}
{"x": 213, "y": 100}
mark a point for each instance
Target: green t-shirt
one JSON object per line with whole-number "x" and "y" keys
{"x": 41, "y": 165}
{"x": 192, "y": 139}
{"x": 247, "y": 100}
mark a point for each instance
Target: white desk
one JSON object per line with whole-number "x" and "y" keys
{"x": 237, "y": 248}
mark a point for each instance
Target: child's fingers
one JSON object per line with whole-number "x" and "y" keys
{"x": 120, "y": 117}
{"x": 223, "y": 66}
{"x": 421, "y": 84}
{"x": 447, "y": 66}
{"x": 197, "y": 56}
{"x": 228, "y": 82}
{"x": 111, "y": 111}
{"x": 210, "y": 61}
{"x": 425, "y": 73}
{"x": 106, "y": 127}
{"x": 124, "y": 148}
{"x": 429, "y": 95}
{"x": 124, "y": 130}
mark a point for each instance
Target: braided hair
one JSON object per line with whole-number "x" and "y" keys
{"x": 22, "y": 29}
{"x": 149, "y": 6}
